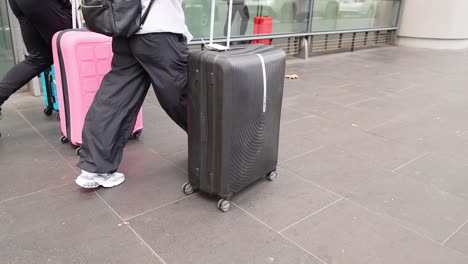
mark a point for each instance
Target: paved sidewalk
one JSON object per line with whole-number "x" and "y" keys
{"x": 373, "y": 169}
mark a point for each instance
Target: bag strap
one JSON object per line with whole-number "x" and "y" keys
{"x": 145, "y": 15}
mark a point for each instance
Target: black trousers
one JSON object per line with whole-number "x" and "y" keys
{"x": 159, "y": 59}
{"x": 39, "y": 21}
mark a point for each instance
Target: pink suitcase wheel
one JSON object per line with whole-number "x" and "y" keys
{"x": 64, "y": 140}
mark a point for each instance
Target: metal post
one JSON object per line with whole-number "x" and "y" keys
{"x": 326, "y": 42}
{"x": 311, "y": 12}
{"x": 398, "y": 19}
{"x": 352, "y": 43}
{"x": 311, "y": 44}
{"x": 340, "y": 41}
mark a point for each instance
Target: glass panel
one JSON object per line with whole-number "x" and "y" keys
{"x": 286, "y": 16}
{"x": 6, "y": 50}
{"x": 329, "y": 15}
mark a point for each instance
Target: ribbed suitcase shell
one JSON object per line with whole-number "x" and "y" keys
{"x": 81, "y": 59}
{"x": 233, "y": 136}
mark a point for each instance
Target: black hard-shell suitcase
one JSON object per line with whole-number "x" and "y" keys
{"x": 234, "y": 110}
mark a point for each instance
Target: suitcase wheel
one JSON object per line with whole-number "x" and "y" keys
{"x": 224, "y": 205}
{"x": 137, "y": 134}
{"x": 58, "y": 117}
{"x": 48, "y": 111}
{"x": 78, "y": 151}
{"x": 272, "y": 176}
{"x": 64, "y": 140}
{"x": 188, "y": 189}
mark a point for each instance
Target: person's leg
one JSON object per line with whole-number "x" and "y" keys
{"x": 164, "y": 57}
{"x": 245, "y": 17}
{"x": 112, "y": 116}
{"x": 234, "y": 11}
{"x": 54, "y": 16}
{"x": 37, "y": 28}
{"x": 39, "y": 58}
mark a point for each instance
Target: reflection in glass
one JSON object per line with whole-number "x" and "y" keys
{"x": 287, "y": 16}
{"x": 238, "y": 6}
{"x": 290, "y": 16}
{"x": 331, "y": 15}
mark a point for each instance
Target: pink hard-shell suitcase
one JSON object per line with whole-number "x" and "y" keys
{"x": 81, "y": 60}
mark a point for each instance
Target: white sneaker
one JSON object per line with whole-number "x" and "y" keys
{"x": 91, "y": 180}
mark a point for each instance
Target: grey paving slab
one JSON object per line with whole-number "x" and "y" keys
{"x": 348, "y": 234}
{"x": 336, "y": 113}
{"x": 49, "y": 128}
{"x": 386, "y": 153}
{"x": 162, "y": 135}
{"x": 421, "y": 207}
{"x": 349, "y": 120}
{"x": 180, "y": 160}
{"x": 20, "y": 102}
{"x": 66, "y": 225}
{"x": 195, "y": 231}
{"x": 459, "y": 241}
{"x": 16, "y": 131}
{"x": 333, "y": 168}
{"x": 289, "y": 115}
{"x": 291, "y": 146}
{"x": 151, "y": 181}
{"x": 350, "y": 94}
{"x": 429, "y": 131}
{"x": 321, "y": 131}
{"x": 305, "y": 125}
{"x": 151, "y": 99}
{"x": 436, "y": 170}
{"x": 28, "y": 163}
{"x": 285, "y": 201}
{"x": 30, "y": 169}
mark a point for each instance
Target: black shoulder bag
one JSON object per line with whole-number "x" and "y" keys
{"x": 114, "y": 18}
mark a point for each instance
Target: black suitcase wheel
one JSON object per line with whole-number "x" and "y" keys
{"x": 58, "y": 116}
{"x": 48, "y": 111}
{"x": 188, "y": 189}
{"x": 78, "y": 151}
{"x": 137, "y": 134}
{"x": 64, "y": 140}
{"x": 272, "y": 176}
{"x": 224, "y": 205}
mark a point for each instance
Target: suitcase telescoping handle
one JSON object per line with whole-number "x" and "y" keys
{"x": 215, "y": 46}
{"x": 76, "y": 18}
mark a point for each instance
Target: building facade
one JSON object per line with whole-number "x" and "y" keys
{"x": 296, "y": 25}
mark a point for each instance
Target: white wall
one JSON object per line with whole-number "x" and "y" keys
{"x": 437, "y": 24}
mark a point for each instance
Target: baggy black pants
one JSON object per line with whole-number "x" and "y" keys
{"x": 159, "y": 59}
{"x": 39, "y": 21}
